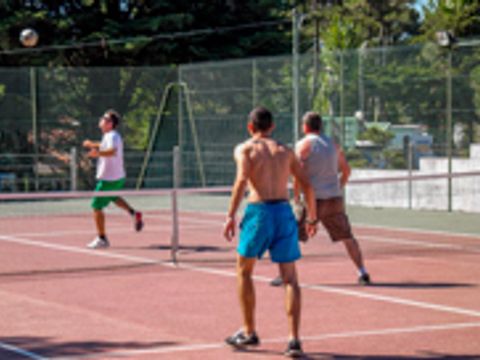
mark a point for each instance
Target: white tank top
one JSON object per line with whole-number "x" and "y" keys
{"x": 321, "y": 166}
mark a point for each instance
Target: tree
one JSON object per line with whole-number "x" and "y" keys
{"x": 120, "y": 32}
{"x": 461, "y": 17}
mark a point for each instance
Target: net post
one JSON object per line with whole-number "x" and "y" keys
{"x": 174, "y": 238}
{"x": 73, "y": 169}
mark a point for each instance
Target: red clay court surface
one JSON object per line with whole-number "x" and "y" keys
{"x": 59, "y": 300}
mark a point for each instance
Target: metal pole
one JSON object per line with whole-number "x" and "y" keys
{"x": 34, "y": 106}
{"x": 73, "y": 169}
{"x": 180, "y": 124}
{"x": 295, "y": 72}
{"x": 175, "y": 231}
{"x": 361, "y": 89}
{"x": 410, "y": 167}
{"x": 342, "y": 98}
{"x": 254, "y": 84}
{"x": 316, "y": 54}
{"x": 449, "y": 128}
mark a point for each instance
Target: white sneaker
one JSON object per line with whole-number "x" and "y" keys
{"x": 98, "y": 243}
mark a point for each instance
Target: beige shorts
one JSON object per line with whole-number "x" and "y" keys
{"x": 332, "y": 215}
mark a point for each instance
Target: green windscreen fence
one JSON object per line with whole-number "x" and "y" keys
{"x": 392, "y": 108}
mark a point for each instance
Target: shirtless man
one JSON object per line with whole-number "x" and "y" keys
{"x": 264, "y": 166}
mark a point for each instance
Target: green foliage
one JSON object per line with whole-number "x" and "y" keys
{"x": 461, "y": 17}
{"x": 65, "y": 26}
{"x": 395, "y": 159}
{"x": 356, "y": 159}
{"x": 377, "y": 136}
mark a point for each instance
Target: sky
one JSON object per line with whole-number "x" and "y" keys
{"x": 419, "y": 5}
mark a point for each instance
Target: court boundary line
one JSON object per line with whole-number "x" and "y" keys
{"x": 259, "y": 278}
{"x": 416, "y": 230}
{"x": 366, "y": 225}
{"x": 367, "y": 237}
{"x": 19, "y": 351}
{"x": 224, "y": 273}
{"x": 311, "y": 338}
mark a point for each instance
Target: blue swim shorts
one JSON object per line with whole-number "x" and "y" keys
{"x": 269, "y": 226}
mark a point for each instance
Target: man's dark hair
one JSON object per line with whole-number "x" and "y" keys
{"x": 261, "y": 119}
{"x": 313, "y": 120}
{"x": 113, "y": 116}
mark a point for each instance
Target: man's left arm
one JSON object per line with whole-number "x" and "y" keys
{"x": 343, "y": 167}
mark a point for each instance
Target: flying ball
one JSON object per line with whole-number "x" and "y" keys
{"x": 29, "y": 37}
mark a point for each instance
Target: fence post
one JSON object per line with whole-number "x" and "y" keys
{"x": 410, "y": 167}
{"x": 254, "y": 84}
{"x": 34, "y": 108}
{"x": 296, "y": 24}
{"x": 174, "y": 238}
{"x": 73, "y": 169}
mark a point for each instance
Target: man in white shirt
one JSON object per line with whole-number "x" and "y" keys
{"x": 110, "y": 175}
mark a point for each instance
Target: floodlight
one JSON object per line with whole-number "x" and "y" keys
{"x": 445, "y": 38}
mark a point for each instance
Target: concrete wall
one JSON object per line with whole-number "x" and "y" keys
{"x": 429, "y": 194}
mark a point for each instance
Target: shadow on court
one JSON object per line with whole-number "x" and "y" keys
{"x": 327, "y": 356}
{"x": 429, "y": 356}
{"x": 47, "y": 348}
{"x": 77, "y": 271}
{"x": 193, "y": 249}
{"x": 416, "y": 285}
{"x": 408, "y": 285}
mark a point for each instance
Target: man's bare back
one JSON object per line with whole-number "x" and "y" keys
{"x": 267, "y": 166}
{"x": 264, "y": 167}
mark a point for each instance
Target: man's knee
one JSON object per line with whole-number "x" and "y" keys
{"x": 350, "y": 242}
{"x": 289, "y": 275}
{"x": 290, "y": 281}
{"x": 244, "y": 273}
{"x": 245, "y": 268}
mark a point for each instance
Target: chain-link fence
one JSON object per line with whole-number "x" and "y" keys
{"x": 402, "y": 108}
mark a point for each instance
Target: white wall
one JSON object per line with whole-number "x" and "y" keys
{"x": 429, "y": 194}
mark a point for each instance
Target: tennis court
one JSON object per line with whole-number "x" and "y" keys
{"x": 60, "y": 300}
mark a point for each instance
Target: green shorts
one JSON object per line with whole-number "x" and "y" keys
{"x": 98, "y": 203}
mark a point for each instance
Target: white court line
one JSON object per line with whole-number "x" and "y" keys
{"x": 346, "y": 292}
{"x": 366, "y": 225}
{"x": 328, "y": 289}
{"x": 323, "y": 288}
{"x": 385, "y": 239}
{"x": 420, "y": 231}
{"x": 418, "y": 243}
{"x": 16, "y": 350}
{"x": 75, "y": 249}
{"x": 311, "y": 338}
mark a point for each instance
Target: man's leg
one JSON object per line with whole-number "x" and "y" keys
{"x": 137, "y": 216}
{"x": 99, "y": 218}
{"x": 101, "y": 240}
{"x": 121, "y": 203}
{"x": 246, "y": 292}
{"x": 353, "y": 250}
{"x": 292, "y": 297}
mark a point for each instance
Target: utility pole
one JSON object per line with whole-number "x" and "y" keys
{"x": 296, "y": 24}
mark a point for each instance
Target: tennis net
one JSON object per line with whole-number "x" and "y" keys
{"x": 185, "y": 225}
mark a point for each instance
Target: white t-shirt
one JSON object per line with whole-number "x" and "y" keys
{"x": 111, "y": 168}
